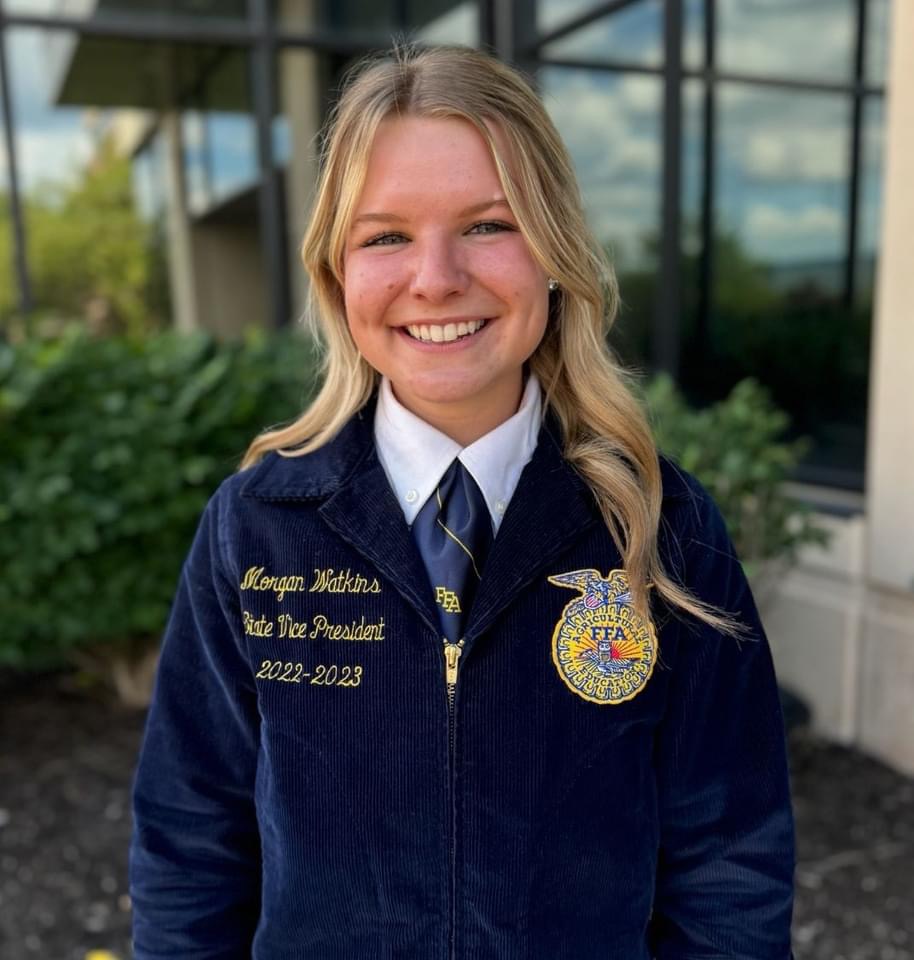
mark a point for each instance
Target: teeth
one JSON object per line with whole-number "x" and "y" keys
{"x": 436, "y": 333}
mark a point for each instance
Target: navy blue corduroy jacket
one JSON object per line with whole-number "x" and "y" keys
{"x": 312, "y": 786}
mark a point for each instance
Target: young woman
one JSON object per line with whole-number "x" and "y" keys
{"x": 458, "y": 667}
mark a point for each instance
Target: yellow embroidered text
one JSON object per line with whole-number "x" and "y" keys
{"x": 257, "y": 627}
{"x": 322, "y": 675}
{"x": 329, "y": 580}
{"x": 448, "y": 599}
{"x": 256, "y": 579}
{"x": 322, "y": 628}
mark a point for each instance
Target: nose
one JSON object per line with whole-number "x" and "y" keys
{"x": 438, "y": 269}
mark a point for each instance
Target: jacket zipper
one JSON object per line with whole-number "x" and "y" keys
{"x": 452, "y": 652}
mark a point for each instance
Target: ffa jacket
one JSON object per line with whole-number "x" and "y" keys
{"x": 323, "y": 777}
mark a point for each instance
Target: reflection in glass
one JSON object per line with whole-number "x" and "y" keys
{"x": 782, "y": 37}
{"x": 870, "y": 209}
{"x": 778, "y": 310}
{"x": 460, "y": 24}
{"x": 219, "y": 133}
{"x": 611, "y": 125}
{"x": 693, "y": 34}
{"x": 436, "y": 21}
{"x": 222, "y": 9}
{"x": 693, "y": 313}
{"x": 554, "y": 13}
{"x": 783, "y": 162}
{"x": 633, "y": 35}
{"x": 878, "y": 18}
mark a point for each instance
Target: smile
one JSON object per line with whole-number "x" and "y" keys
{"x": 444, "y": 333}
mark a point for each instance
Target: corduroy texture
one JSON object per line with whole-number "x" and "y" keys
{"x": 285, "y": 818}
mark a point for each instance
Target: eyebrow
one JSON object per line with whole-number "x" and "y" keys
{"x": 466, "y": 212}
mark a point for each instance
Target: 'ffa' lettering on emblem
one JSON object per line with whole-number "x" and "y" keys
{"x": 602, "y": 649}
{"x": 448, "y": 599}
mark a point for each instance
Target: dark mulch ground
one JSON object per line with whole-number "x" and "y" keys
{"x": 65, "y": 770}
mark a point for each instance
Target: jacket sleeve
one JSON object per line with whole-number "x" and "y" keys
{"x": 195, "y": 852}
{"x": 726, "y": 859}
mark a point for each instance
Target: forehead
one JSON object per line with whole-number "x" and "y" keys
{"x": 425, "y": 161}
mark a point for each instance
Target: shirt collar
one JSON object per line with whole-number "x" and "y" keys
{"x": 415, "y": 454}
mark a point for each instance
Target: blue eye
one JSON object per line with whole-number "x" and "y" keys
{"x": 490, "y": 226}
{"x": 384, "y": 240}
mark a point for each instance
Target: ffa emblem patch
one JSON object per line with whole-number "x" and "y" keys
{"x": 601, "y": 648}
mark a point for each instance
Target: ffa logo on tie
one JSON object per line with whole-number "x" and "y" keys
{"x": 601, "y": 648}
{"x": 447, "y": 600}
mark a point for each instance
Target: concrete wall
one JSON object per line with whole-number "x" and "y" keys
{"x": 229, "y": 279}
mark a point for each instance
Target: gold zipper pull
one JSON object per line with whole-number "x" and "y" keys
{"x": 452, "y": 653}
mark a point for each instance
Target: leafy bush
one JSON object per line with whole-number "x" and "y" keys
{"x": 109, "y": 449}
{"x": 733, "y": 447}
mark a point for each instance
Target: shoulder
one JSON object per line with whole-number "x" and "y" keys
{"x": 305, "y": 476}
{"x": 692, "y": 528}
{"x": 241, "y": 499}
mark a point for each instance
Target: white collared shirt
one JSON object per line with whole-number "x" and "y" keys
{"x": 415, "y": 455}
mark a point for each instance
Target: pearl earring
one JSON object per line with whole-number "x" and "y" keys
{"x": 553, "y": 285}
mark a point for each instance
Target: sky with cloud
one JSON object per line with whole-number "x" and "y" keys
{"x": 782, "y": 155}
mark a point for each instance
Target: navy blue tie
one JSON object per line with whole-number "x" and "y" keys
{"x": 453, "y": 531}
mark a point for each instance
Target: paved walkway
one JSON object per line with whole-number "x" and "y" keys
{"x": 855, "y": 840}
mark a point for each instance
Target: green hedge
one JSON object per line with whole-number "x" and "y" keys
{"x": 109, "y": 449}
{"x": 735, "y": 448}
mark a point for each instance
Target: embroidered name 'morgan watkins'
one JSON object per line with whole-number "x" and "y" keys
{"x": 326, "y": 580}
{"x": 343, "y": 581}
{"x": 256, "y": 579}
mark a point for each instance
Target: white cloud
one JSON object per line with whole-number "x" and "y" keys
{"x": 810, "y": 154}
{"x": 785, "y": 37}
{"x": 781, "y": 234}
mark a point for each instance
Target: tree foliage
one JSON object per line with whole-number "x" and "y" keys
{"x": 90, "y": 253}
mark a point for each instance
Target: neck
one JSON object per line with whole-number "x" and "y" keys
{"x": 466, "y": 422}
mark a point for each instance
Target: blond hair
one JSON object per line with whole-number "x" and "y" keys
{"x": 607, "y": 438}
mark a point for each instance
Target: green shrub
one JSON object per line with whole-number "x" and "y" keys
{"x": 109, "y": 449}
{"x": 734, "y": 448}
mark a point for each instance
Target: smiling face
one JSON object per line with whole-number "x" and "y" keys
{"x": 441, "y": 292}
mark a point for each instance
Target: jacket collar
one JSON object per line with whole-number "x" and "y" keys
{"x": 315, "y": 475}
{"x": 551, "y": 508}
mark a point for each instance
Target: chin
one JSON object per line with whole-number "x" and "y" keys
{"x": 440, "y": 389}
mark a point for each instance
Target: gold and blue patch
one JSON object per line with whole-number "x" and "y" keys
{"x": 603, "y": 650}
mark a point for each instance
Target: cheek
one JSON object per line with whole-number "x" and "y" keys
{"x": 367, "y": 292}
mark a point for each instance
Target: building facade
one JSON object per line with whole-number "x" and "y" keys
{"x": 740, "y": 162}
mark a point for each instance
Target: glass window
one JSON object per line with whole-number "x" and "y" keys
{"x": 375, "y": 22}
{"x": 693, "y": 34}
{"x": 633, "y": 35}
{"x": 870, "y": 197}
{"x": 612, "y": 126}
{"x": 554, "y": 13}
{"x": 778, "y": 310}
{"x": 813, "y": 41}
{"x": 220, "y": 134}
{"x": 220, "y": 9}
{"x": 693, "y": 312}
{"x": 878, "y": 18}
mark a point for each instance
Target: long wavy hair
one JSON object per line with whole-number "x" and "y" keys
{"x": 607, "y": 438}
